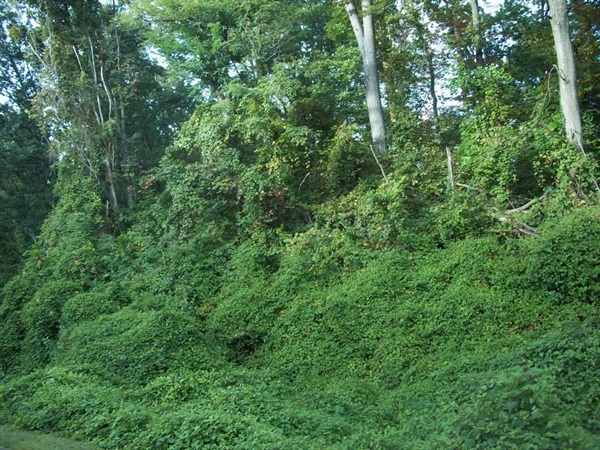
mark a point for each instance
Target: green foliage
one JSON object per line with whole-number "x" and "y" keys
{"x": 202, "y": 173}
{"x": 200, "y": 430}
{"x": 379, "y": 213}
{"x": 25, "y": 175}
{"x": 314, "y": 341}
{"x": 141, "y": 264}
{"x": 41, "y": 319}
{"x": 463, "y": 215}
{"x": 15, "y": 294}
{"x": 91, "y": 305}
{"x": 267, "y": 283}
{"x": 67, "y": 249}
{"x": 73, "y": 403}
{"x": 493, "y": 152}
{"x": 567, "y": 170}
{"x": 524, "y": 405}
{"x": 137, "y": 343}
{"x": 564, "y": 259}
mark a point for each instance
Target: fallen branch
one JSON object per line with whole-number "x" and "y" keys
{"x": 526, "y": 229}
{"x": 524, "y": 207}
{"x": 522, "y": 227}
{"x": 466, "y": 186}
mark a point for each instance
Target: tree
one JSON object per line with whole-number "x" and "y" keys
{"x": 101, "y": 98}
{"x": 567, "y": 79}
{"x": 365, "y": 37}
{"x": 25, "y": 175}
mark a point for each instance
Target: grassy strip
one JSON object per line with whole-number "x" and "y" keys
{"x": 12, "y": 439}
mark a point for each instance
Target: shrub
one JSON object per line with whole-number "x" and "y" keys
{"x": 133, "y": 346}
{"x": 15, "y": 294}
{"x": 88, "y": 306}
{"x": 41, "y": 319}
{"x": 564, "y": 258}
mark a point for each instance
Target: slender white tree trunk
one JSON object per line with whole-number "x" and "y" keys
{"x": 477, "y": 30}
{"x": 566, "y": 71}
{"x": 365, "y": 36}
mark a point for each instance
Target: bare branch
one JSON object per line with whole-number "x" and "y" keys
{"x": 466, "y": 186}
{"x": 451, "y": 168}
{"x": 305, "y": 178}
{"x": 108, "y": 94}
{"x": 100, "y": 114}
{"x": 524, "y": 207}
{"x": 379, "y": 164}
{"x": 78, "y": 60}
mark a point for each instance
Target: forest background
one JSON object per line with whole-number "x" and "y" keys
{"x": 301, "y": 224}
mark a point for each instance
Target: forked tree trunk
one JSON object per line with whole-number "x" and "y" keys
{"x": 365, "y": 36}
{"x": 566, "y": 70}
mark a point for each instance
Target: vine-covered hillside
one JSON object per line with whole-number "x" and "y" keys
{"x": 279, "y": 224}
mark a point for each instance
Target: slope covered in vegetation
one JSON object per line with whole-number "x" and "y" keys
{"x": 310, "y": 342}
{"x": 230, "y": 262}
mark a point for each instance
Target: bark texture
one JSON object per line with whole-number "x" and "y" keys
{"x": 365, "y": 36}
{"x": 477, "y": 31}
{"x": 566, "y": 70}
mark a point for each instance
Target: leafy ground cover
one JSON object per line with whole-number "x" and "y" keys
{"x": 470, "y": 346}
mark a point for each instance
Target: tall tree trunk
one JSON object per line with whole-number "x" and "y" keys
{"x": 387, "y": 77}
{"x": 566, "y": 71}
{"x": 365, "y": 36}
{"x": 477, "y": 32}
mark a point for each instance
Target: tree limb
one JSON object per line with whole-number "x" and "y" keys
{"x": 356, "y": 25}
{"x": 524, "y": 207}
{"x": 379, "y": 164}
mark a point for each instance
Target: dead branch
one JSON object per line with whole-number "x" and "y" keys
{"x": 379, "y": 164}
{"x": 450, "y": 168}
{"x": 466, "y": 186}
{"x": 524, "y": 207}
{"x": 303, "y": 180}
{"x": 521, "y": 227}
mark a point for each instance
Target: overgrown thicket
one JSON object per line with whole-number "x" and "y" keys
{"x": 228, "y": 263}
